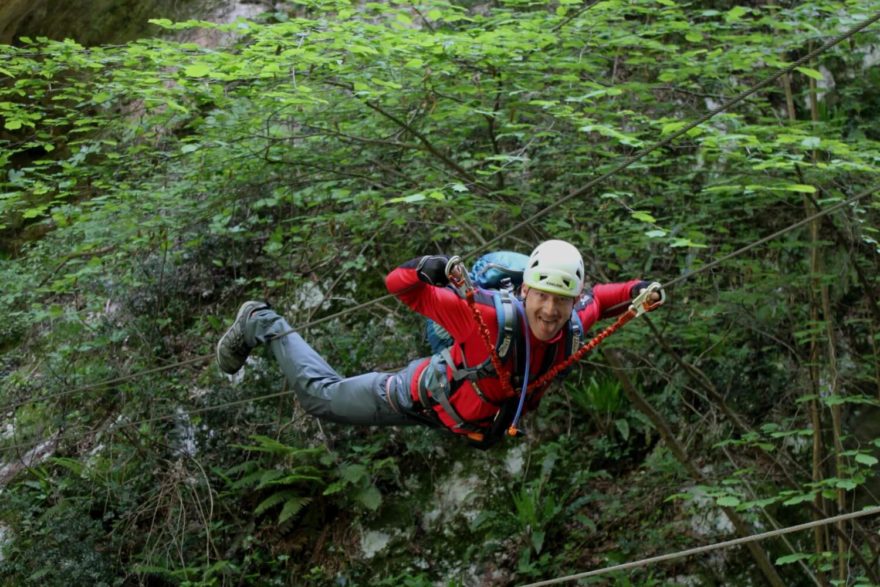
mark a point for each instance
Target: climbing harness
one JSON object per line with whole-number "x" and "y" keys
{"x": 459, "y": 280}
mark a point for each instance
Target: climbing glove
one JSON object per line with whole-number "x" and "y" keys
{"x": 432, "y": 270}
{"x": 635, "y": 290}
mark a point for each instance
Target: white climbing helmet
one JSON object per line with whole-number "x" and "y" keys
{"x": 555, "y": 267}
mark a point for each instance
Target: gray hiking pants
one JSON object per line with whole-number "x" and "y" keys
{"x": 322, "y": 392}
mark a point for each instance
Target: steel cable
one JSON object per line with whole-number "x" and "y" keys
{"x": 708, "y": 548}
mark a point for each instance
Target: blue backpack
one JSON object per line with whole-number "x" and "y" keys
{"x": 499, "y": 271}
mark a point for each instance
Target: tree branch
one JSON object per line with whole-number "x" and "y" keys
{"x": 427, "y": 144}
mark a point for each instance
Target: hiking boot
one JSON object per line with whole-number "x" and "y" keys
{"x": 233, "y": 349}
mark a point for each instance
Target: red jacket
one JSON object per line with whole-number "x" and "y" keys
{"x": 447, "y": 308}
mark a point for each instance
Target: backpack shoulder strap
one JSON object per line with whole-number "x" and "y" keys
{"x": 573, "y": 338}
{"x": 505, "y": 343}
{"x": 575, "y": 334}
{"x": 507, "y": 323}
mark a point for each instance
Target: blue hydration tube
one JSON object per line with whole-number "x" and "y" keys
{"x": 525, "y": 384}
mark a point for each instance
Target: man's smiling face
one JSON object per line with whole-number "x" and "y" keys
{"x": 546, "y": 313}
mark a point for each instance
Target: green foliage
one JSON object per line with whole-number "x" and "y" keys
{"x": 56, "y": 539}
{"x": 288, "y": 479}
{"x": 603, "y": 400}
{"x": 150, "y": 186}
{"x": 292, "y": 483}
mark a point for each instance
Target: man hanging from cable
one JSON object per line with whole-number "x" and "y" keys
{"x": 507, "y": 348}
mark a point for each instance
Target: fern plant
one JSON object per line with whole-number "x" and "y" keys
{"x": 603, "y": 400}
{"x": 286, "y": 476}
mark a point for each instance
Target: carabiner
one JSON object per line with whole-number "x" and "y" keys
{"x": 461, "y": 281}
{"x": 641, "y": 304}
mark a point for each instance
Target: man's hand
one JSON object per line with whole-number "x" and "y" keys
{"x": 653, "y": 297}
{"x": 638, "y": 288}
{"x": 432, "y": 270}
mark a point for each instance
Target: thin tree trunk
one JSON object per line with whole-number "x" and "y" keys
{"x": 819, "y": 537}
{"x": 836, "y": 428}
{"x": 872, "y": 336}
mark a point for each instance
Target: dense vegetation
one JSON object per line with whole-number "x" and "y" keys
{"x": 149, "y": 188}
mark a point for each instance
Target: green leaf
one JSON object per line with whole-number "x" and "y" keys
{"x": 800, "y": 188}
{"x": 362, "y": 49}
{"x": 538, "y": 540}
{"x": 198, "y": 70}
{"x": 292, "y": 507}
{"x": 846, "y": 484}
{"x": 273, "y": 500}
{"x": 729, "y": 501}
{"x": 334, "y": 488}
{"x": 694, "y": 37}
{"x": 354, "y": 473}
{"x": 35, "y": 212}
{"x": 809, "y": 72}
{"x": 685, "y": 242}
{"x": 735, "y": 13}
{"x": 369, "y": 497}
{"x": 791, "y": 558}
{"x": 408, "y": 199}
{"x": 672, "y": 127}
{"x": 866, "y": 459}
{"x": 800, "y": 498}
{"x": 643, "y": 217}
{"x": 623, "y": 428}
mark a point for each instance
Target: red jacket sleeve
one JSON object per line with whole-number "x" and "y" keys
{"x": 608, "y": 299}
{"x": 441, "y": 304}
